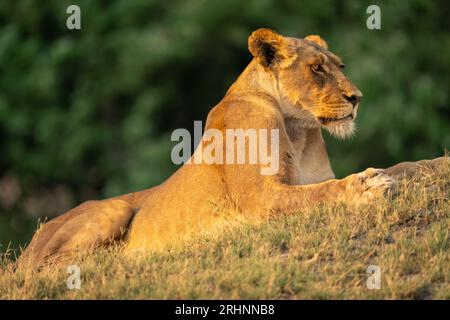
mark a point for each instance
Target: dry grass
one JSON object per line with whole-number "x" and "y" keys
{"x": 321, "y": 253}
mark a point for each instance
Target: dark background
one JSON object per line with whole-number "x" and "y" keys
{"x": 87, "y": 114}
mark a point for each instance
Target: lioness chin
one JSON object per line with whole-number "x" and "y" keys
{"x": 294, "y": 85}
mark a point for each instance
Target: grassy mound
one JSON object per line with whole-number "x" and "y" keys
{"x": 322, "y": 253}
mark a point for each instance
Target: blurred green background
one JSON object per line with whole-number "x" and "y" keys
{"x": 87, "y": 114}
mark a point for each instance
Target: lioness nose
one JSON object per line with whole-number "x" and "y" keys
{"x": 353, "y": 99}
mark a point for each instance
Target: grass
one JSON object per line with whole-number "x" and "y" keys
{"x": 317, "y": 254}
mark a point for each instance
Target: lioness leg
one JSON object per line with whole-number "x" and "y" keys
{"x": 92, "y": 224}
{"x": 355, "y": 189}
{"x": 409, "y": 169}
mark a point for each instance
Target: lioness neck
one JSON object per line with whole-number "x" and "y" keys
{"x": 255, "y": 79}
{"x": 309, "y": 156}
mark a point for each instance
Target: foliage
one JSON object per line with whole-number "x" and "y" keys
{"x": 90, "y": 112}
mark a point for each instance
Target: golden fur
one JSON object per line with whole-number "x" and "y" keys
{"x": 294, "y": 85}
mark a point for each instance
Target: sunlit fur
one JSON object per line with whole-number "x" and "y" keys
{"x": 342, "y": 130}
{"x": 320, "y": 93}
{"x": 280, "y": 90}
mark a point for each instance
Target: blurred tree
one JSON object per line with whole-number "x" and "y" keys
{"x": 88, "y": 113}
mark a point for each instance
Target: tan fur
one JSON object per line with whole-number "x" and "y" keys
{"x": 294, "y": 85}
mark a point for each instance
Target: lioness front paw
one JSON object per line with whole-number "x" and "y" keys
{"x": 369, "y": 184}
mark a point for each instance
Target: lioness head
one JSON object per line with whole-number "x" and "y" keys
{"x": 310, "y": 80}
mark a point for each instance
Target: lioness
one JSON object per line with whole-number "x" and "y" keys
{"x": 294, "y": 85}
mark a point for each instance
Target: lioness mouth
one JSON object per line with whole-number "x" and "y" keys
{"x": 325, "y": 121}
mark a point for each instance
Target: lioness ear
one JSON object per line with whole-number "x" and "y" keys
{"x": 318, "y": 40}
{"x": 265, "y": 45}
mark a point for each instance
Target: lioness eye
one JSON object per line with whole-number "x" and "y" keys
{"x": 316, "y": 67}
{"x": 342, "y": 66}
